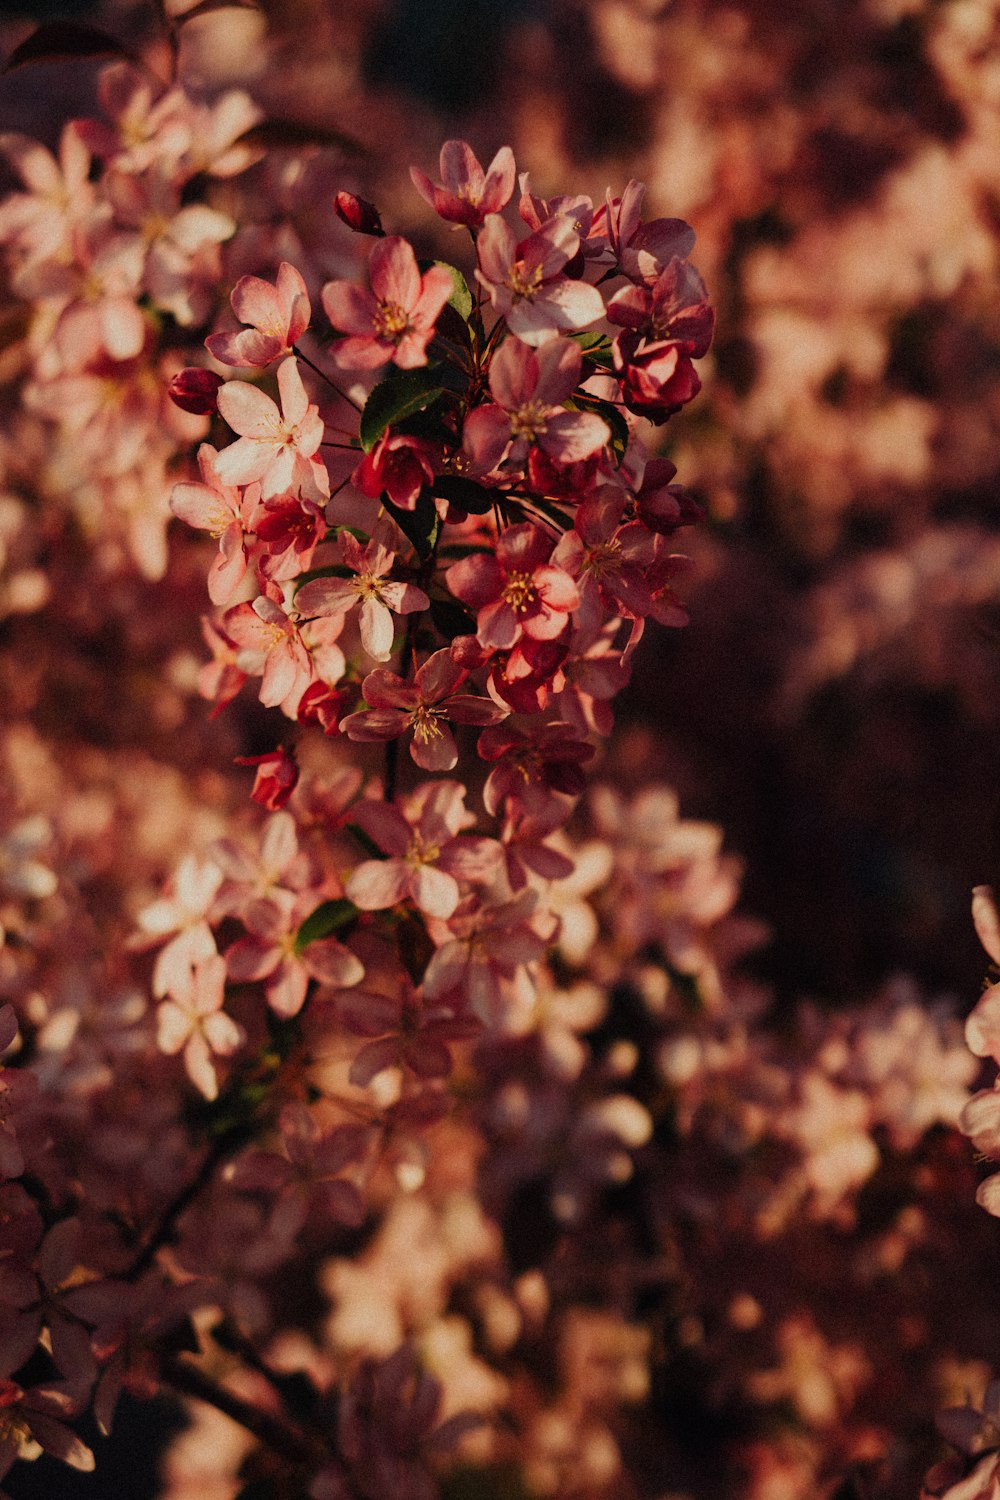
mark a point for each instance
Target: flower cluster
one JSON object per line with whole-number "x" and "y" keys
{"x": 415, "y": 1118}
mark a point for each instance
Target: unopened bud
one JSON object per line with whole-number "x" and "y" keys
{"x": 358, "y": 214}
{"x": 196, "y": 391}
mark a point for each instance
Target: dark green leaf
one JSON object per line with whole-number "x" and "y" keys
{"x": 65, "y": 41}
{"x": 331, "y": 917}
{"x": 465, "y": 494}
{"x": 420, "y": 525}
{"x": 364, "y": 842}
{"x": 401, "y": 394}
{"x": 451, "y": 618}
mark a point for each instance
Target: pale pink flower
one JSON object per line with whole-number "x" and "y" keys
{"x": 525, "y": 280}
{"x": 224, "y": 512}
{"x": 370, "y": 591}
{"x": 272, "y": 647}
{"x": 406, "y": 1032}
{"x": 274, "y": 446}
{"x": 307, "y": 1175}
{"x": 395, "y": 319}
{"x": 424, "y": 706}
{"x": 528, "y": 389}
{"x": 193, "y": 1019}
{"x": 529, "y": 768}
{"x": 278, "y": 317}
{"x": 42, "y": 1413}
{"x": 186, "y": 913}
{"x": 484, "y": 948}
{"x": 466, "y": 194}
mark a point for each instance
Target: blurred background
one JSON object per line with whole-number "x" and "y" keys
{"x": 835, "y": 701}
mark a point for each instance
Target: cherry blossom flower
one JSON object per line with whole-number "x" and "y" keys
{"x": 395, "y": 319}
{"x": 466, "y": 194}
{"x": 270, "y": 645}
{"x": 375, "y": 595}
{"x": 276, "y": 778}
{"x": 193, "y": 1019}
{"x": 406, "y": 1033}
{"x": 515, "y": 591}
{"x": 525, "y": 279}
{"x": 485, "y": 946}
{"x": 186, "y": 913}
{"x": 529, "y": 768}
{"x": 278, "y": 317}
{"x": 424, "y": 706}
{"x": 307, "y": 1176}
{"x": 528, "y": 390}
{"x": 224, "y": 512}
{"x": 270, "y": 953}
{"x": 274, "y": 446}
{"x": 427, "y": 855}
{"x": 642, "y": 250}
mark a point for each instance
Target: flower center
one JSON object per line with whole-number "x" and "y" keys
{"x": 603, "y": 559}
{"x": 424, "y": 719}
{"x": 519, "y": 592}
{"x": 391, "y": 322}
{"x": 522, "y": 283}
{"x": 421, "y": 853}
{"x": 529, "y": 421}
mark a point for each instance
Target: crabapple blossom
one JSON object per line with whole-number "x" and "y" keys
{"x": 278, "y": 317}
{"x": 193, "y": 1019}
{"x": 275, "y": 446}
{"x": 395, "y": 319}
{"x": 526, "y": 283}
{"x": 466, "y": 194}
{"x": 528, "y": 388}
{"x": 370, "y": 591}
{"x": 424, "y": 706}
{"x": 517, "y": 590}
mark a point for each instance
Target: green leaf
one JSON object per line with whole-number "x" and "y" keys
{"x": 365, "y": 842}
{"x": 331, "y": 917}
{"x": 420, "y": 525}
{"x": 461, "y": 297}
{"x": 464, "y": 494}
{"x": 451, "y": 618}
{"x": 401, "y": 394}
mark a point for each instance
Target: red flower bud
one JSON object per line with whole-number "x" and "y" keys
{"x": 195, "y": 391}
{"x": 358, "y": 214}
{"x": 276, "y": 776}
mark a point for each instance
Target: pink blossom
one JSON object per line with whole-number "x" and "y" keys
{"x": 642, "y": 250}
{"x": 193, "y": 1019}
{"x": 221, "y": 510}
{"x": 466, "y": 193}
{"x": 675, "y": 306}
{"x": 426, "y": 853}
{"x": 277, "y": 774}
{"x": 307, "y": 1175}
{"x": 274, "y": 446}
{"x": 270, "y": 646}
{"x": 270, "y": 953}
{"x": 529, "y": 768}
{"x": 395, "y": 320}
{"x": 370, "y": 591}
{"x": 484, "y": 947}
{"x": 185, "y": 913}
{"x": 278, "y": 317}
{"x": 406, "y": 1032}
{"x": 424, "y": 706}
{"x": 516, "y": 590}
{"x": 528, "y": 390}
{"x": 525, "y": 279}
